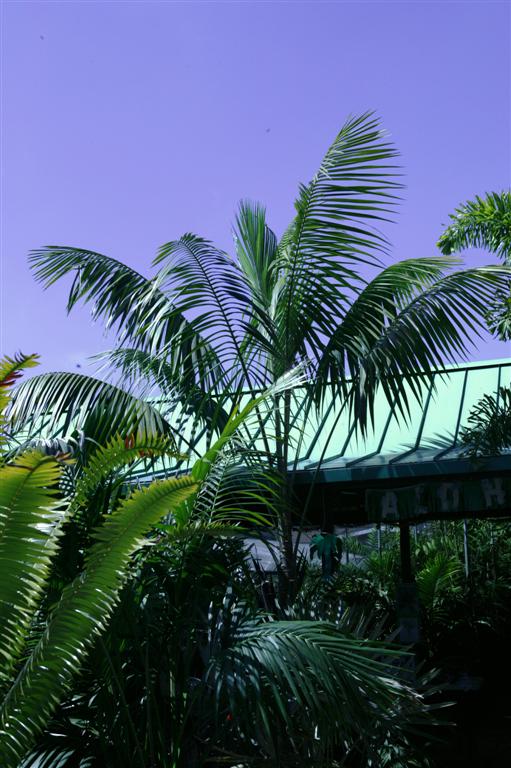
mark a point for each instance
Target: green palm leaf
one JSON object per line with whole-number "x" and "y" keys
{"x": 28, "y": 541}
{"x": 55, "y": 403}
{"x": 481, "y": 223}
{"x": 333, "y": 233}
{"x": 486, "y": 223}
{"x": 106, "y": 461}
{"x": 437, "y": 324}
{"x": 374, "y": 309}
{"x": 204, "y": 279}
{"x": 257, "y": 252}
{"x": 488, "y": 428}
{"x": 81, "y": 615}
{"x": 133, "y": 306}
{"x": 152, "y": 374}
{"x": 302, "y": 687}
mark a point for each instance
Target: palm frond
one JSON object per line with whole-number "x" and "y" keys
{"x": 436, "y": 327}
{"x": 304, "y": 679}
{"x": 374, "y": 309}
{"x": 55, "y": 403}
{"x": 440, "y": 572}
{"x": 486, "y": 223}
{"x": 481, "y": 223}
{"x": 257, "y": 251}
{"x": 28, "y": 516}
{"x": 120, "y": 295}
{"x": 81, "y": 615}
{"x": 206, "y": 280}
{"x": 105, "y": 461}
{"x": 488, "y": 428}
{"x": 133, "y": 306}
{"x": 333, "y": 232}
{"x": 152, "y": 374}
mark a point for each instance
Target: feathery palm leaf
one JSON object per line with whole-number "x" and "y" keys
{"x": 300, "y": 688}
{"x": 204, "y": 279}
{"x": 107, "y": 460}
{"x": 55, "y": 403}
{"x": 257, "y": 252}
{"x": 486, "y": 223}
{"x": 481, "y": 223}
{"x": 81, "y": 614}
{"x": 436, "y": 325}
{"x": 333, "y": 233}
{"x": 130, "y": 304}
{"x": 488, "y": 428}
{"x": 29, "y": 514}
{"x": 437, "y": 574}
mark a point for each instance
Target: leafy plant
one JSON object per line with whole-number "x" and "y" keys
{"x": 193, "y": 673}
{"x": 219, "y": 672}
{"x": 488, "y": 429}
{"x": 36, "y": 671}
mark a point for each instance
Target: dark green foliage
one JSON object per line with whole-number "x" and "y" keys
{"x": 192, "y": 673}
{"x": 458, "y": 612}
{"x": 488, "y": 429}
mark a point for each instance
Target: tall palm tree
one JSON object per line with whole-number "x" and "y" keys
{"x": 209, "y": 326}
{"x": 485, "y": 223}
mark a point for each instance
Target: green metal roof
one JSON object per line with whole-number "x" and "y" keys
{"x": 425, "y": 444}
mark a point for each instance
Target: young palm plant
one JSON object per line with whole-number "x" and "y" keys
{"x": 208, "y": 327}
{"x": 38, "y": 663}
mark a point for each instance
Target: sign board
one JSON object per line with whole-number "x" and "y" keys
{"x": 467, "y": 498}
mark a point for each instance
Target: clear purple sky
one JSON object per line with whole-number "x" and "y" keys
{"x": 126, "y": 124}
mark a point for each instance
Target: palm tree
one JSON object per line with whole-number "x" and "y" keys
{"x": 485, "y": 223}
{"x": 209, "y": 327}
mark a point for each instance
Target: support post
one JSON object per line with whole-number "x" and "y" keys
{"x": 408, "y": 608}
{"x": 404, "y": 549}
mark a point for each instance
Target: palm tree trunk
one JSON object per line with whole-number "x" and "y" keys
{"x": 285, "y": 522}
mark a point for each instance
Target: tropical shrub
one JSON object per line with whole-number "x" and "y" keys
{"x": 177, "y": 668}
{"x": 488, "y": 428}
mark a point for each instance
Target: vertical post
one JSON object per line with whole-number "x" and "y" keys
{"x": 408, "y": 609}
{"x": 347, "y": 545}
{"x": 466, "y": 551}
{"x": 404, "y": 549}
